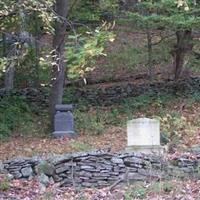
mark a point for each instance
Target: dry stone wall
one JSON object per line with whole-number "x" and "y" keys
{"x": 110, "y": 94}
{"x": 114, "y": 94}
{"x": 99, "y": 169}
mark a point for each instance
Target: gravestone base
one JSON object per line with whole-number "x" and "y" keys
{"x": 59, "y": 134}
{"x": 148, "y": 149}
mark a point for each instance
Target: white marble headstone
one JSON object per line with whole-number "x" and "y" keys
{"x": 143, "y": 132}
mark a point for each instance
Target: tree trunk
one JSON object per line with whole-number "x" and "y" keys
{"x": 58, "y": 69}
{"x": 9, "y": 77}
{"x": 183, "y": 46}
{"x": 9, "y": 73}
{"x": 149, "y": 50}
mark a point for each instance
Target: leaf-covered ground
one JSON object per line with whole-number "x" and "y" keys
{"x": 114, "y": 138}
{"x": 170, "y": 190}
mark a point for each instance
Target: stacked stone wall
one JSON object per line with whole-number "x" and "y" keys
{"x": 99, "y": 169}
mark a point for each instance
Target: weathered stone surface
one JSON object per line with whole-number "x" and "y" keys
{"x": 64, "y": 175}
{"x": 14, "y": 168}
{"x": 57, "y": 178}
{"x": 100, "y": 168}
{"x": 43, "y": 179}
{"x": 151, "y": 173}
{"x": 26, "y": 172}
{"x": 86, "y": 174}
{"x": 56, "y": 160}
{"x": 46, "y": 168}
{"x": 84, "y": 177}
{"x": 136, "y": 176}
{"x": 188, "y": 169}
{"x": 132, "y": 160}
{"x": 117, "y": 160}
{"x": 9, "y": 177}
{"x": 103, "y": 183}
{"x": 17, "y": 175}
{"x": 86, "y": 167}
{"x": 87, "y": 184}
{"x": 63, "y": 124}
{"x": 62, "y": 169}
{"x": 1, "y": 167}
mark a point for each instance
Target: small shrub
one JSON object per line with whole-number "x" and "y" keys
{"x": 127, "y": 195}
{"x": 139, "y": 193}
{"x": 167, "y": 187}
{"x": 14, "y": 113}
{"x": 4, "y": 185}
{"x": 44, "y": 167}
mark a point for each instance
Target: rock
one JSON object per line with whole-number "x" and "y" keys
{"x": 189, "y": 169}
{"x": 133, "y": 160}
{"x": 150, "y": 173}
{"x": 42, "y": 188}
{"x": 86, "y": 167}
{"x": 62, "y": 169}
{"x": 117, "y": 160}
{"x": 85, "y": 184}
{"x": 51, "y": 181}
{"x": 17, "y": 175}
{"x": 84, "y": 178}
{"x": 27, "y": 171}
{"x": 9, "y": 177}
{"x": 56, "y": 160}
{"x": 30, "y": 177}
{"x": 86, "y": 174}
{"x": 49, "y": 169}
{"x": 1, "y": 167}
{"x": 66, "y": 182}
{"x": 135, "y": 165}
{"x": 111, "y": 179}
{"x": 43, "y": 179}
{"x": 135, "y": 176}
{"x": 5, "y": 165}
{"x": 57, "y": 178}
{"x": 14, "y": 168}
{"x": 63, "y": 175}
{"x": 103, "y": 183}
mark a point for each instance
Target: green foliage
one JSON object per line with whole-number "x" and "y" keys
{"x": 81, "y": 50}
{"x": 14, "y": 113}
{"x": 87, "y": 123}
{"x": 138, "y": 192}
{"x": 4, "y": 185}
{"x": 171, "y": 123}
{"x": 42, "y": 167}
{"x": 89, "y": 10}
{"x": 30, "y": 68}
{"x": 158, "y": 187}
{"x": 164, "y": 16}
{"x": 135, "y": 103}
{"x": 10, "y": 12}
{"x": 165, "y": 13}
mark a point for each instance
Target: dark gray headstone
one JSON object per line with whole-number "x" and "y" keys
{"x": 63, "y": 122}
{"x": 63, "y": 107}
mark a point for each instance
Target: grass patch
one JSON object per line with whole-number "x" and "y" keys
{"x": 142, "y": 191}
{"x": 4, "y": 185}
